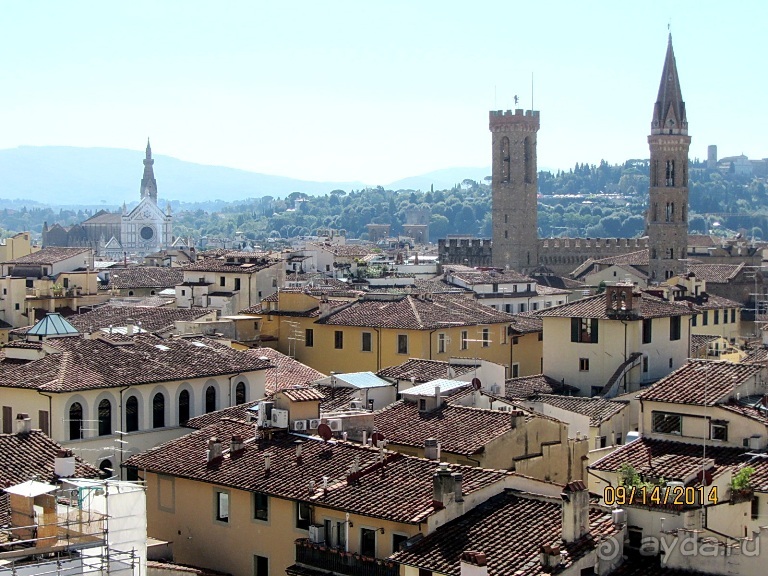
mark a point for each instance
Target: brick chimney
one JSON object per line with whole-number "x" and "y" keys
{"x": 575, "y": 498}
{"x": 23, "y": 423}
{"x": 236, "y": 444}
{"x": 549, "y": 556}
{"x": 214, "y": 449}
{"x": 474, "y": 563}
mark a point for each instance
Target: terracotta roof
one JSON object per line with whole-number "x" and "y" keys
{"x": 526, "y": 323}
{"x": 144, "y": 277}
{"x": 414, "y": 313}
{"x": 400, "y": 490}
{"x": 423, "y": 370}
{"x": 715, "y": 273}
{"x": 31, "y": 456}
{"x": 152, "y": 319}
{"x": 459, "y": 429}
{"x": 49, "y": 255}
{"x": 689, "y": 383}
{"x": 756, "y": 356}
{"x": 474, "y": 276}
{"x": 700, "y": 240}
{"x": 302, "y": 394}
{"x": 668, "y": 459}
{"x": 547, "y": 279}
{"x": 336, "y": 397}
{"x": 646, "y": 306}
{"x": 598, "y": 409}
{"x": 637, "y": 564}
{"x": 239, "y": 412}
{"x": 224, "y": 264}
{"x": 637, "y": 258}
{"x": 526, "y": 386}
{"x": 759, "y": 478}
{"x": 713, "y": 302}
{"x": 509, "y": 528}
{"x": 700, "y": 342}
{"x": 343, "y": 250}
{"x": 751, "y": 412}
{"x": 435, "y": 286}
{"x": 91, "y": 364}
{"x": 284, "y": 372}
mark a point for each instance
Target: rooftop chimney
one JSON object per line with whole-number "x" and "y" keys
{"x": 442, "y": 486}
{"x": 214, "y": 449}
{"x": 549, "y": 556}
{"x": 438, "y": 401}
{"x": 129, "y": 324}
{"x": 575, "y": 498}
{"x": 474, "y": 563}
{"x": 431, "y": 449}
{"x": 23, "y": 423}
{"x": 458, "y": 485}
{"x": 236, "y": 445}
{"x": 64, "y": 464}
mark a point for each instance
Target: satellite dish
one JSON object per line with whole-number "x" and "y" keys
{"x": 325, "y": 432}
{"x": 476, "y": 383}
{"x": 377, "y": 437}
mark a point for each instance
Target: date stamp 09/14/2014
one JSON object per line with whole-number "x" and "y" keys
{"x": 659, "y": 495}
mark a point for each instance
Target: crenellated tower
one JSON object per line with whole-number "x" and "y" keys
{"x": 667, "y": 217}
{"x": 148, "y": 182}
{"x": 515, "y": 188}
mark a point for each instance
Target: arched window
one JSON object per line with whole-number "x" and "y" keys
{"x": 158, "y": 410}
{"x": 106, "y": 468}
{"x": 505, "y": 173}
{"x": 132, "y": 414}
{"x": 183, "y": 407}
{"x": 105, "y": 418}
{"x": 528, "y": 160}
{"x": 210, "y": 399}
{"x": 240, "y": 393}
{"x": 75, "y": 421}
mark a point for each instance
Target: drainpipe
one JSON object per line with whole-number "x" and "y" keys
{"x": 122, "y": 430}
{"x": 378, "y": 349}
{"x": 430, "y": 342}
{"x": 625, "y": 355}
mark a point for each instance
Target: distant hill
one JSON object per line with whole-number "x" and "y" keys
{"x": 61, "y": 175}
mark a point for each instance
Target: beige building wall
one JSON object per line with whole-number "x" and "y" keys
{"x": 16, "y": 246}
{"x": 712, "y": 322}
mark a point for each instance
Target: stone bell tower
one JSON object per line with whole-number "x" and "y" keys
{"x": 667, "y": 217}
{"x": 515, "y": 189}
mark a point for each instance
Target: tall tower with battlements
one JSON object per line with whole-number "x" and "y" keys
{"x": 667, "y": 217}
{"x": 515, "y": 188}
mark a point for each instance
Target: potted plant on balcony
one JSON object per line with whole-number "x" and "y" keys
{"x": 741, "y": 485}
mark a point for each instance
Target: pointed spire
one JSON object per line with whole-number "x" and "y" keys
{"x": 148, "y": 182}
{"x": 669, "y": 111}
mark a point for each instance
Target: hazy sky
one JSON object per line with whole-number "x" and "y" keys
{"x": 375, "y": 91}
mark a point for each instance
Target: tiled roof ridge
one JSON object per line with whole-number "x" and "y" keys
{"x": 415, "y": 312}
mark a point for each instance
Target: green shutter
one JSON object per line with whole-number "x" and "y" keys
{"x": 594, "y": 330}
{"x": 575, "y": 327}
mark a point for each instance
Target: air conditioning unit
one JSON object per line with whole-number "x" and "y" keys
{"x": 495, "y": 389}
{"x": 317, "y": 533}
{"x": 335, "y": 424}
{"x": 279, "y": 418}
{"x": 265, "y": 413}
{"x": 300, "y": 425}
{"x": 618, "y": 516}
{"x": 357, "y": 404}
{"x": 314, "y": 423}
{"x": 754, "y": 442}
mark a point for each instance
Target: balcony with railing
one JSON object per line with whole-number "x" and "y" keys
{"x": 341, "y": 562}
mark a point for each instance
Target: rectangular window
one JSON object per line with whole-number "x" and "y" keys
{"x": 66, "y": 282}
{"x": 398, "y": 539}
{"x": 725, "y": 316}
{"x": 222, "y": 506}
{"x": 7, "y": 420}
{"x": 645, "y": 363}
{"x": 309, "y": 337}
{"x": 733, "y": 316}
{"x": 647, "y": 331}
{"x": 583, "y": 364}
{"x": 338, "y": 339}
{"x": 368, "y": 542}
{"x": 222, "y": 281}
{"x": 402, "y": 344}
{"x": 42, "y": 419}
{"x": 515, "y": 340}
{"x": 719, "y": 431}
{"x": 237, "y": 284}
{"x": 367, "y": 343}
{"x": 303, "y": 516}
{"x": 674, "y": 328}
{"x": 464, "y": 340}
{"x": 694, "y": 319}
{"x": 260, "y": 566}
{"x": 441, "y": 343}
{"x": 503, "y": 334}
{"x": 183, "y": 292}
{"x": 535, "y": 306}
{"x": 704, "y": 318}
{"x": 665, "y": 423}
{"x": 486, "y": 338}
{"x": 260, "y": 506}
{"x": 717, "y": 316}
{"x": 584, "y": 330}
{"x": 514, "y": 287}
{"x": 522, "y": 308}
{"x": 516, "y": 370}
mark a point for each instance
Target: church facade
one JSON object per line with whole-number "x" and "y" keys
{"x": 143, "y": 230}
